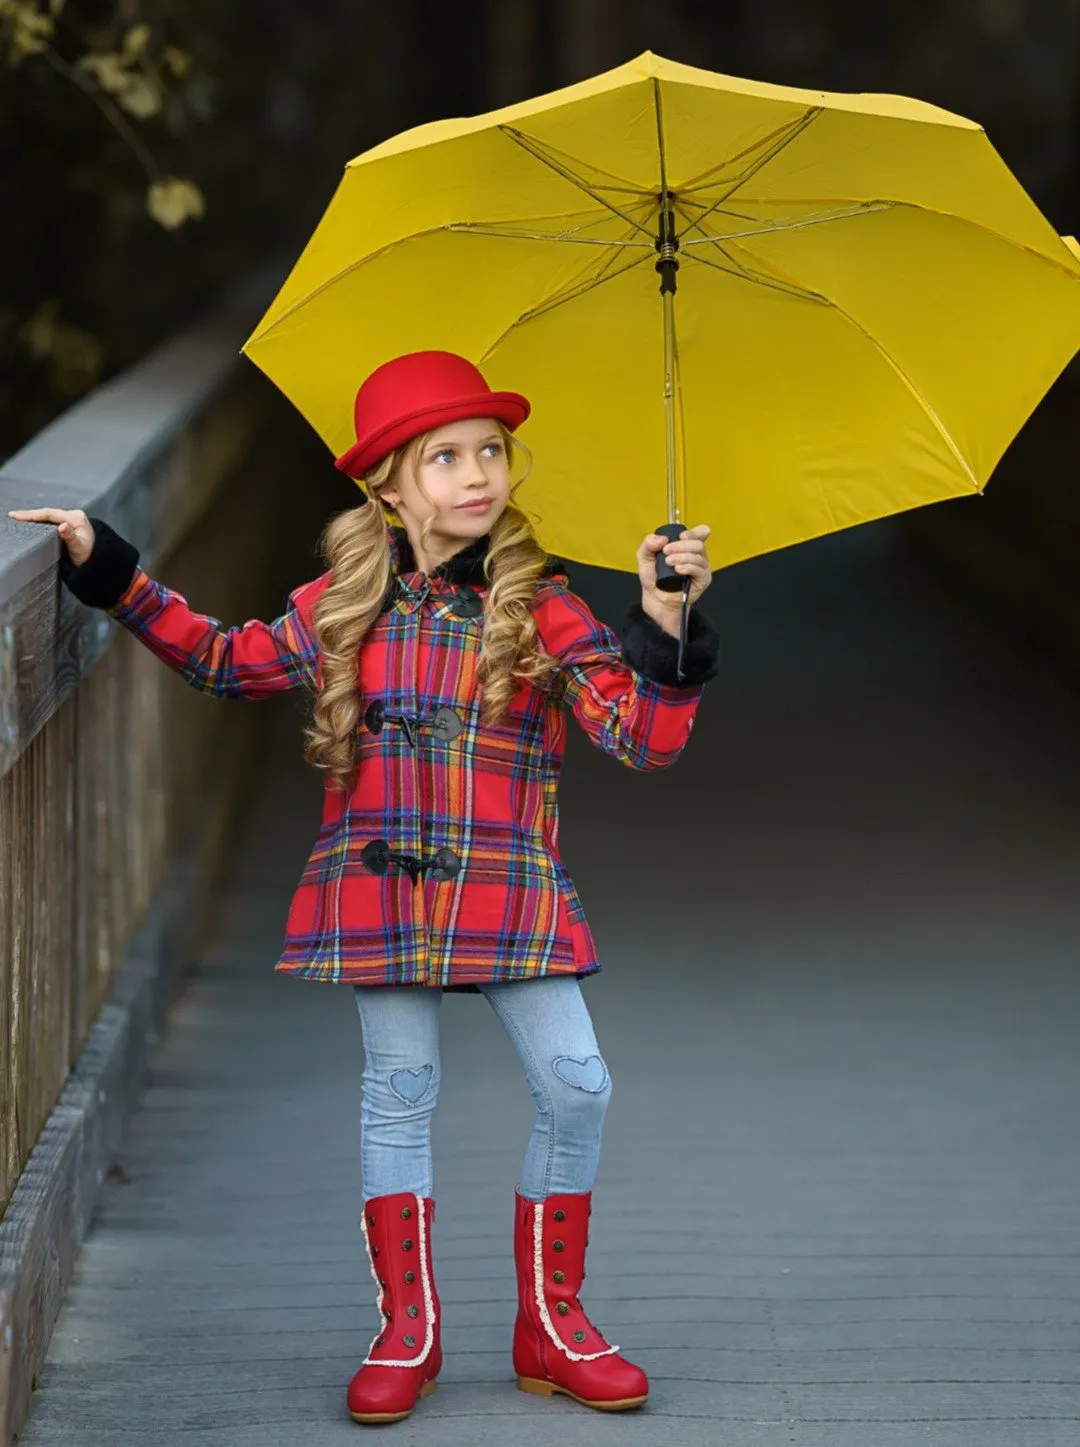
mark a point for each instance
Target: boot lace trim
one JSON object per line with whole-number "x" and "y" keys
{"x": 425, "y": 1281}
{"x": 541, "y": 1303}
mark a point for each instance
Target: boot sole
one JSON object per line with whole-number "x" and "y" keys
{"x": 548, "y": 1389}
{"x": 375, "y": 1419}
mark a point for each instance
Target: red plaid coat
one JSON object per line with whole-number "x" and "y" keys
{"x": 441, "y": 867}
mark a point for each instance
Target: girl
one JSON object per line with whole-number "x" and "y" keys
{"x": 439, "y": 647}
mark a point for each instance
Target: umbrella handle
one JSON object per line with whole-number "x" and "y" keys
{"x": 669, "y": 581}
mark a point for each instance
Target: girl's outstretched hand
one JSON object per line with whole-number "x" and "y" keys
{"x": 74, "y": 528}
{"x": 687, "y": 555}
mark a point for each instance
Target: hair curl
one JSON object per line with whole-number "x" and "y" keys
{"x": 357, "y": 551}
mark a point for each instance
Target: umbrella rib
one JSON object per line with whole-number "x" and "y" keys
{"x": 533, "y": 148}
{"x": 942, "y": 430}
{"x": 792, "y": 289}
{"x": 354, "y": 265}
{"x": 1070, "y": 272}
{"x": 491, "y": 228}
{"x": 793, "y": 132}
{"x": 742, "y": 273}
{"x": 682, "y": 199}
{"x": 560, "y": 298}
{"x": 381, "y": 251}
{"x": 614, "y": 182}
{"x": 867, "y": 209}
{"x": 661, "y": 150}
{"x": 701, "y": 180}
{"x": 908, "y": 382}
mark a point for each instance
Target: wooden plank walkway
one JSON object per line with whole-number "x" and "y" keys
{"x": 838, "y": 1204}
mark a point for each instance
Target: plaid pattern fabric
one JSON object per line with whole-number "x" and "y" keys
{"x": 488, "y": 793}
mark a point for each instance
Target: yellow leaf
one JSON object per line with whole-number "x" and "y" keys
{"x": 135, "y": 41}
{"x": 29, "y": 32}
{"x": 195, "y": 202}
{"x": 140, "y": 97}
{"x": 109, "y": 71}
{"x": 176, "y": 60}
{"x": 172, "y": 201}
{"x": 28, "y": 17}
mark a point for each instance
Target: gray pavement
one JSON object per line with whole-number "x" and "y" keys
{"x": 838, "y": 1205}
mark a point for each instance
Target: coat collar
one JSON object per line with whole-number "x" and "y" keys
{"x": 466, "y": 567}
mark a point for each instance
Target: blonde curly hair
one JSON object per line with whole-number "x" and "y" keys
{"x": 357, "y": 551}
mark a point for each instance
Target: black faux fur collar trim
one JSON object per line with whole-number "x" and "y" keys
{"x": 465, "y": 568}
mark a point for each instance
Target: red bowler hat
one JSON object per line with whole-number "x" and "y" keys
{"x": 417, "y": 393}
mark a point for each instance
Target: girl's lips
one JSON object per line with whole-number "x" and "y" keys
{"x": 481, "y": 505}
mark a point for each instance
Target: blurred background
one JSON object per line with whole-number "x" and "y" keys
{"x": 840, "y": 939}
{"x": 157, "y": 151}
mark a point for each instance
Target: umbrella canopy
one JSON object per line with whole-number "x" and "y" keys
{"x": 868, "y": 303}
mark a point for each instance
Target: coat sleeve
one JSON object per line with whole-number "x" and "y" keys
{"x": 625, "y": 695}
{"x": 251, "y": 661}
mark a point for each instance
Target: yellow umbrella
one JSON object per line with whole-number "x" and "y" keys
{"x": 868, "y": 304}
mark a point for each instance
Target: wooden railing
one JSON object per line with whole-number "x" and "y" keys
{"x": 118, "y": 781}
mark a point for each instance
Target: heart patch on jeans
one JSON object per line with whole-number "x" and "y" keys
{"x": 590, "y": 1075}
{"x": 411, "y": 1085}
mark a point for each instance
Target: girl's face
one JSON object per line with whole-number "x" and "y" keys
{"x": 465, "y": 472}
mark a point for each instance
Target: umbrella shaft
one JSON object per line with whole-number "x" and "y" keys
{"x": 670, "y": 402}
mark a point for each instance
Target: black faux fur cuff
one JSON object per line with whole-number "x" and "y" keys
{"x": 104, "y": 578}
{"x": 653, "y": 653}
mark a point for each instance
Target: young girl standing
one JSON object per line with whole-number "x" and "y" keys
{"x": 439, "y": 648}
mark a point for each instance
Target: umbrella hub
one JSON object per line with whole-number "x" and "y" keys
{"x": 667, "y": 244}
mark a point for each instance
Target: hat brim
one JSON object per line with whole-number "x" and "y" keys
{"x": 509, "y": 408}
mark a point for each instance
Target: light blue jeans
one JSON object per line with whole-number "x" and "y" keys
{"x": 549, "y": 1026}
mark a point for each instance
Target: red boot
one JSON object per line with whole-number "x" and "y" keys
{"x": 556, "y": 1347}
{"x": 406, "y": 1357}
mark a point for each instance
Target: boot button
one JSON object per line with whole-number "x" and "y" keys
{"x": 558, "y": 1246}
{"x": 410, "y": 1341}
{"x": 558, "y": 1276}
{"x": 579, "y": 1336}
{"x": 560, "y": 1215}
{"x": 406, "y": 1245}
{"x": 406, "y": 1212}
{"x": 374, "y": 1251}
{"x": 371, "y": 1220}
{"x": 410, "y": 1277}
{"x": 413, "y": 1311}
{"x": 563, "y": 1309}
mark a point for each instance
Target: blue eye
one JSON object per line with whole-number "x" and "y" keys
{"x": 443, "y": 452}
{"x": 493, "y": 447}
